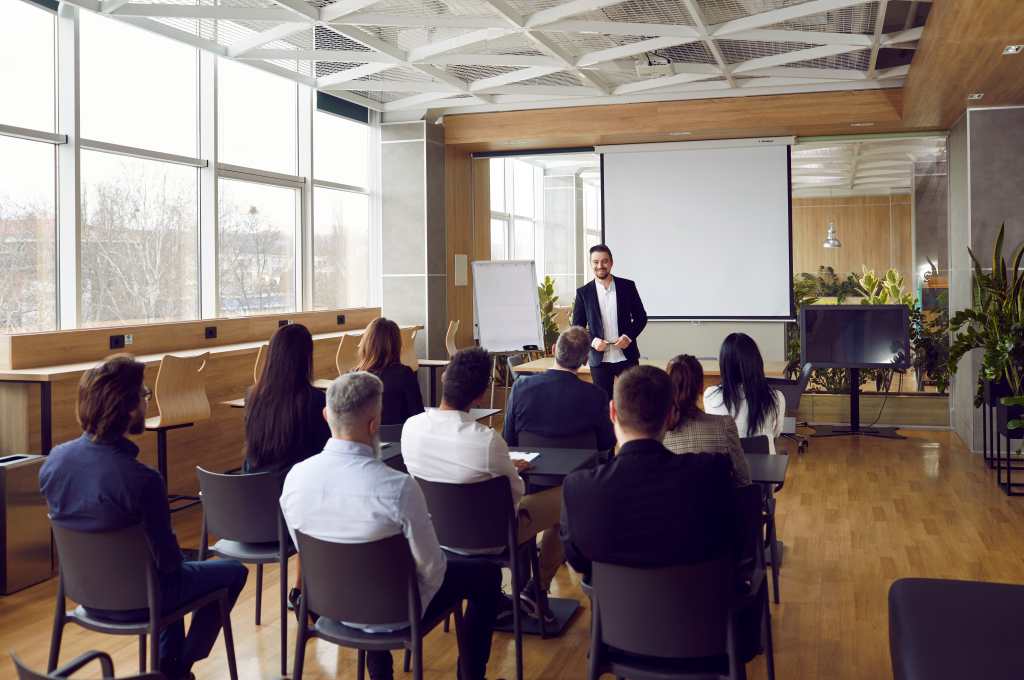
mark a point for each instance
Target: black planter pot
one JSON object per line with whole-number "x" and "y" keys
{"x": 996, "y": 390}
{"x": 1004, "y": 414}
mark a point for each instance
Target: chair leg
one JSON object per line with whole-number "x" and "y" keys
{"x": 142, "y": 654}
{"x": 300, "y": 651}
{"x": 259, "y": 592}
{"x": 283, "y": 595}
{"x": 769, "y": 647}
{"x": 154, "y": 650}
{"x": 538, "y": 592}
{"x": 517, "y": 624}
{"x": 773, "y": 542}
{"x": 55, "y": 637}
{"x": 361, "y": 664}
{"x": 229, "y": 639}
{"x": 417, "y": 658}
{"x": 407, "y": 661}
{"x": 447, "y": 621}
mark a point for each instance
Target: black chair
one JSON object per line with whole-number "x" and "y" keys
{"x": 387, "y": 593}
{"x": 471, "y": 517}
{"x": 514, "y": 360}
{"x": 760, "y": 445}
{"x": 92, "y": 563}
{"x": 243, "y": 510}
{"x": 106, "y": 667}
{"x": 391, "y": 433}
{"x": 792, "y": 390}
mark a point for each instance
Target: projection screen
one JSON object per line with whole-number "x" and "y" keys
{"x": 704, "y": 230}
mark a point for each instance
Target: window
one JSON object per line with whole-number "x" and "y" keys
{"x": 341, "y": 249}
{"x": 257, "y": 118}
{"x": 340, "y": 150}
{"x": 139, "y": 255}
{"x": 138, "y": 89}
{"x": 256, "y": 248}
{"x": 27, "y": 47}
{"x": 27, "y": 236}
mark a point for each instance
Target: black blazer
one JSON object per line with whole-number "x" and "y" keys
{"x": 557, "y": 403}
{"x": 649, "y": 507}
{"x": 402, "y": 398}
{"x": 586, "y": 312}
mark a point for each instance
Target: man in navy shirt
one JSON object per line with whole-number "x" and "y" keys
{"x": 96, "y": 483}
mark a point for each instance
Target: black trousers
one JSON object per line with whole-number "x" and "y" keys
{"x": 480, "y": 585}
{"x": 604, "y": 375}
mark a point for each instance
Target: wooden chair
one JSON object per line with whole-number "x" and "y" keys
{"x": 180, "y": 395}
{"x": 409, "y": 357}
{"x": 347, "y": 356}
{"x": 449, "y": 338}
{"x": 562, "y": 318}
{"x": 261, "y": 362}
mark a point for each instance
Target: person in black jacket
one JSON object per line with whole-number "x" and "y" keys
{"x": 380, "y": 353}
{"x": 611, "y": 309}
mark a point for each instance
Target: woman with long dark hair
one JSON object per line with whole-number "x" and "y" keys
{"x": 693, "y": 431}
{"x": 744, "y": 393}
{"x": 284, "y": 413}
{"x": 380, "y": 352}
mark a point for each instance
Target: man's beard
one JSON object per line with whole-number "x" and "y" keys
{"x": 602, "y": 274}
{"x": 138, "y": 425}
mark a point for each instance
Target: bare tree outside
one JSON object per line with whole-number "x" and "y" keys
{"x": 341, "y": 249}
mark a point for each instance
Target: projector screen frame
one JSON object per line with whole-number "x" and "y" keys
{"x": 792, "y": 316}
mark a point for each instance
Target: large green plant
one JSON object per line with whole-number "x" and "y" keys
{"x": 808, "y": 289}
{"x": 548, "y": 299}
{"x": 995, "y": 321}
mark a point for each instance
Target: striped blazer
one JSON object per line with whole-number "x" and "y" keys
{"x": 711, "y": 434}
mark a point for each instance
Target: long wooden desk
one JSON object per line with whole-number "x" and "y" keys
{"x": 772, "y": 369}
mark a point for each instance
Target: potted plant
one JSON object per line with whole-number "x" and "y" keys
{"x": 888, "y": 290}
{"x": 548, "y": 300}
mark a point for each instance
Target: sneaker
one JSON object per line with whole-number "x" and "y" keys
{"x": 504, "y": 617}
{"x": 293, "y": 599}
{"x": 526, "y": 596}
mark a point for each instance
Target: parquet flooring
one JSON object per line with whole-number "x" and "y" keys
{"x": 854, "y": 516}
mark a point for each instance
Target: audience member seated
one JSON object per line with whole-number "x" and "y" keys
{"x": 744, "y": 393}
{"x": 284, "y": 420}
{"x": 447, "y": 445}
{"x": 346, "y": 494}
{"x": 690, "y": 430}
{"x": 96, "y": 483}
{"x": 557, "y": 403}
{"x": 380, "y": 352}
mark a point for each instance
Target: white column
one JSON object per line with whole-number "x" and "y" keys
{"x": 208, "y": 274}
{"x": 69, "y": 203}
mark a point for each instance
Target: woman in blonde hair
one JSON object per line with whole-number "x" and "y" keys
{"x": 380, "y": 351}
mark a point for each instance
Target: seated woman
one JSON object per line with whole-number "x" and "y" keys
{"x": 284, "y": 413}
{"x": 744, "y": 393}
{"x": 693, "y": 431}
{"x": 380, "y": 352}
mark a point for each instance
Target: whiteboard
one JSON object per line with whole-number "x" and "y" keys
{"x": 506, "y": 306}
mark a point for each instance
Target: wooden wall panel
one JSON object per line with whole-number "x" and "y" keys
{"x": 874, "y": 230}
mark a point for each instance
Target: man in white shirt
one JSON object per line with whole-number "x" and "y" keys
{"x": 447, "y": 445}
{"x": 347, "y": 495}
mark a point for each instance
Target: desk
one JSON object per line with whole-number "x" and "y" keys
{"x": 432, "y": 365}
{"x": 772, "y": 369}
{"x": 767, "y": 469}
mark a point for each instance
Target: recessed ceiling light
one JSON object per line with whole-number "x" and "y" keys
{"x": 679, "y": 134}
{"x": 975, "y": 96}
{"x": 1013, "y": 49}
{"x": 862, "y": 124}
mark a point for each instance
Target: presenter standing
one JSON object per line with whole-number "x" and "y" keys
{"x": 610, "y": 308}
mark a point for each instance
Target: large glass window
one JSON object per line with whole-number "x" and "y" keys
{"x": 256, "y": 248}
{"x": 257, "y": 118}
{"x": 26, "y": 66}
{"x": 340, "y": 150}
{"x": 341, "y": 249}
{"x": 138, "y": 89}
{"x": 139, "y": 258}
{"x": 27, "y": 236}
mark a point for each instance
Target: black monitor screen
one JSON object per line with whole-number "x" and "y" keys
{"x": 855, "y": 336}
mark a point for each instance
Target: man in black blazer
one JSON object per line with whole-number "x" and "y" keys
{"x": 613, "y": 348}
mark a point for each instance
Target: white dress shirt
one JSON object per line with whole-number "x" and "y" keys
{"x": 347, "y": 495}
{"x": 608, "y": 302}
{"x": 714, "y": 405}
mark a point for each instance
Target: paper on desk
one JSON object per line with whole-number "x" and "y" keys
{"x": 528, "y": 456}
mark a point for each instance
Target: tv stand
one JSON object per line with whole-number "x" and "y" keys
{"x": 854, "y": 429}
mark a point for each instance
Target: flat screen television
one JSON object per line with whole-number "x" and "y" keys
{"x": 855, "y": 336}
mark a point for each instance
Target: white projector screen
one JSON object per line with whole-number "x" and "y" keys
{"x": 704, "y": 232}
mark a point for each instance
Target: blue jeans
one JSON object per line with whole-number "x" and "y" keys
{"x": 191, "y": 581}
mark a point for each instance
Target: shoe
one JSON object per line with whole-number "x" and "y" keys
{"x": 504, "y": 617}
{"x": 293, "y": 599}
{"x": 526, "y": 596}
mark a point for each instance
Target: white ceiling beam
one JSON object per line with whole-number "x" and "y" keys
{"x": 442, "y": 46}
{"x": 417, "y": 100}
{"x": 876, "y": 42}
{"x": 419, "y": 21}
{"x": 656, "y": 83}
{"x": 894, "y": 72}
{"x": 565, "y": 10}
{"x": 240, "y": 47}
{"x": 546, "y": 91}
{"x": 161, "y": 10}
{"x": 300, "y": 8}
{"x": 621, "y": 28}
{"x": 492, "y": 60}
{"x": 392, "y": 86}
{"x": 111, "y": 6}
{"x": 348, "y": 75}
{"x": 705, "y": 32}
{"x": 622, "y": 51}
{"x": 815, "y": 73}
{"x": 793, "y": 57}
{"x": 776, "y": 16}
{"x": 343, "y": 56}
{"x": 485, "y": 84}
{"x": 341, "y": 8}
{"x": 773, "y": 81}
{"x": 902, "y": 36}
{"x": 811, "y": 37}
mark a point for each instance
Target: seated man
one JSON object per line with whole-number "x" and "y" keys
{"x": 346, "y": 494}
{"x": 446, "y": 445}
{"x": 556, "y": 403}
{"x": 95, "y": 483}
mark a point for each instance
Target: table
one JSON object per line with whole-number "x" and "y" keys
{"x": 772, "y": 369}
{"x": 432, "y": 365}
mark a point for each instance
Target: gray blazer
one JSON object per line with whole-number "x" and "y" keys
{"x": 711, "y": 434}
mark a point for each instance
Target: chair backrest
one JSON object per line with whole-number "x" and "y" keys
{"x": 408, "y": 356}
{"x": 470, "y": 516}
{"x": 180, "y": 390}
{"x": 449, "y": 338}
{"x": 25, "y": 673}
{"x": 241, "y": 507}
{"x": 758, "y": 444}
{"x": 105, "y": 569}
{"x": 581, "y": 440}
{"x": 261, "y": 362}
{"x": 391, "y": 433}
{"x": 562, "y": 318}
{"x": 673, "y": 612}
{"x": 749, "y": 505}
{"x": 347, "y": 356}
{"x": 359, "y": 582}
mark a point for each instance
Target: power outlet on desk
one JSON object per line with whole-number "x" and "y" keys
{"x": 116, "y": 342}
{"x": 282, "y": 322}
{"x": 211, "y": 332}
{"x": 341, "y": 319}
{"x": 129, "y": 339}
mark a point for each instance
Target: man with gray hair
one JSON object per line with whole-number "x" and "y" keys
{"x": 346, "y": 494}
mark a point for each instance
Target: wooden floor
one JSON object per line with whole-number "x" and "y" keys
{"x": 854, "y": 516}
